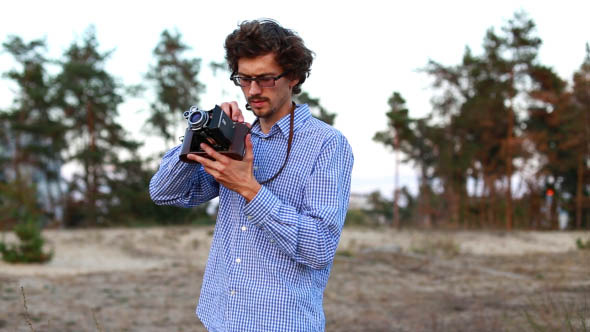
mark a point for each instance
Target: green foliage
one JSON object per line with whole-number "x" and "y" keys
{"x": 89, "y": 97}
{"x": 379, "y": 210}
{"x": 583, "y": 245}
{"x": 18, "y": 209}
{"x": 446, "y": 247}
{"x": 32, "y": 134}
{"x": 317, "y": 109}
{"x": 71, "y": 117}
{"x": 30, "y": 246}
{"x": 131, "y": 205}
{"x": 16, "y": 203}
{"x": 174, "y": 78}
{"x": 358, "y": 217}
{"x": 493, "y": 113}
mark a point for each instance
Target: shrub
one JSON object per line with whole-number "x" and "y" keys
{"x": 583, "y": 244}
{"x": 30, "y": 246}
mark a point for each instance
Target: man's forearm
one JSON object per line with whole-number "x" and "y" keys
{"x": 181, "y": 184}
{"x": 308, "y": 237}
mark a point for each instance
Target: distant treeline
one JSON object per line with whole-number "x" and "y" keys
{"x": 507, "y": 143}
{"x": 70, "y": 119}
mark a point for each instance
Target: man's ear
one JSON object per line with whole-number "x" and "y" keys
{"x": 293, "y": 83}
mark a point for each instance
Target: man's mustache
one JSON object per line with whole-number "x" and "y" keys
{"x": 257, "y": 99}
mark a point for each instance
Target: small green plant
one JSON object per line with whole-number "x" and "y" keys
{"x": 443, "y": 246}
{"x": 30, "y": 246}
{"x": 344, "y": 253}
{"x": 583, "y": 245}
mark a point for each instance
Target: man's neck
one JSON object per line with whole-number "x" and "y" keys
{"x": 267, "y": 123}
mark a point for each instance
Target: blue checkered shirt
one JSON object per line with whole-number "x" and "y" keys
{"x": 270, "y": 259}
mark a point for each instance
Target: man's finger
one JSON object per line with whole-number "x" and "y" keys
{"x": 206, "y": 162}
{"x": 211, "y": 171}
{"x": 226, "y": 107}
{"x": 191, "y": 156}
{"x": 233, "y": 111}
{"x": 249, "y": 155}
{"x": 214, "y": 154}
{"x": 236, "y": 112}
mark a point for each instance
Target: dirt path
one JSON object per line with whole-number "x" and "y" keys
{"x": 382, "y": 280}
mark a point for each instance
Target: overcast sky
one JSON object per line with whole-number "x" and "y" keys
{"x": 364, "y": 50}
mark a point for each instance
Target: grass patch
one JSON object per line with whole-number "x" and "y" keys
{"x": 551, "y": 314}
{"x": 436, "y": 247}
{"x": 344, "y": 253}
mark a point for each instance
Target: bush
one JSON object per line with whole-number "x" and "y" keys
{"x": 583, "y": 245}
{"x": 30, "y": 246}
{"x": 357, "y": 217}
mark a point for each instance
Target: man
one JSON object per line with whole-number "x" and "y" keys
{"x": 281, "y": 208}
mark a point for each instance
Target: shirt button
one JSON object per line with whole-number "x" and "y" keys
{"x": 238, "y": 260}
{"x": 249, "y": 217}
{"x": 255, "y": 168}
{"x": 233, "y": 292}
{"x": 244, "y": 228}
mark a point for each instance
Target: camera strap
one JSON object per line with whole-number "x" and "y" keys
{"x": 289, "y": 143}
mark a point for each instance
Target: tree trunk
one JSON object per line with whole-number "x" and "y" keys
{"x": 396, "y": 222}
{"x": 579, "y": 195}
{"x": 509, "y": 169}
{"x": 453, "y": 204}
{"x": 92, "y": 181}
{"x": 491, "y": 198}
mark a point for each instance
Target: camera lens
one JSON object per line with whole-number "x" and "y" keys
{"x": 196, "y": 117}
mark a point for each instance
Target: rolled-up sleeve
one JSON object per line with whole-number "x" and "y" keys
{"x": 181, "y": 184}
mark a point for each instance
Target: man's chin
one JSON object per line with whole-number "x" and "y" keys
{"x": 261, "y": 113}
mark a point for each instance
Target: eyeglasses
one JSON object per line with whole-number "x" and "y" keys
{"x": 263, "y": 81}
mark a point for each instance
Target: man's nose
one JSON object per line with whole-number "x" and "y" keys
{"x": 254, "y": 88}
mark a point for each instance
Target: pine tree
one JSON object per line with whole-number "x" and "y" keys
{"x": 33, "y": 133}
{"x": 174, "y": 78}
{"x": 317, "y": 109}
{"x": 416, "y": 140}
{"x": 480, "y": 104}
{"x": 558, "y": 127}
{"x": 89, "y": 97}
{"x": 581, "y": 121}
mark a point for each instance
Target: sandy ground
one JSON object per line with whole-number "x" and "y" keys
{"x": 382, "y": 280}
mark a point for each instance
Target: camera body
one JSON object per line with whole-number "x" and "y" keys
{"x": 214, "y": 128}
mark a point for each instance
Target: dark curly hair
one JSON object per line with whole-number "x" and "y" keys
{"x": 261, "y": 37}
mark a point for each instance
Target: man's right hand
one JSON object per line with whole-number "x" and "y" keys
{"x": 233, "y": 111}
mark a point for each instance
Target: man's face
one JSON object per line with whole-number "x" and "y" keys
{"x": 269, "y": 103}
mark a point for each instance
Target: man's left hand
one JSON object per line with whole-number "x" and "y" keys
{"x": 236, "y": 175}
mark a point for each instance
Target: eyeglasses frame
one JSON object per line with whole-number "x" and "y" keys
{"x": 257, "y": 80}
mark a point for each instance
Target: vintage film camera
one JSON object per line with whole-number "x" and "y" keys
{"x": 215, "y": 128}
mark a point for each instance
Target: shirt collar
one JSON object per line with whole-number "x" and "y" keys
{"x": 302, "y": 113}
